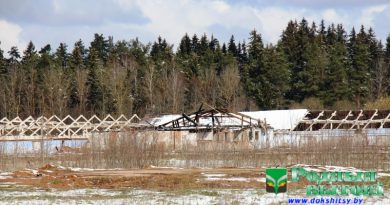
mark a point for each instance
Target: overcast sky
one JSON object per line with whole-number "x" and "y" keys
{"x": 55, "y": 21}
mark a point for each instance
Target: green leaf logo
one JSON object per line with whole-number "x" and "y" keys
{"x": 276, "y": 180}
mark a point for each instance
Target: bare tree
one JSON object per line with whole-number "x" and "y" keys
{"x": 56, "y": 87}
{"x": 379, "y": 79}
{"x": 150, "y": 80}
{"x": 82, "y": 89}
{"x": 171, "y": 87}
{"x": 115, "y": 81}
{"x": 229, "y": 87}
{"x": 209, "y": 86}
{"x": 176, "y": 91}
{"x": 11, "y": 93}
{"x": 30, "y": 92}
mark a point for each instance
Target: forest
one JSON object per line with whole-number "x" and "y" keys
{"x": 314, "y": 66}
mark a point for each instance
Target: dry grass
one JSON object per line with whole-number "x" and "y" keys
{"x": 143, "y": 151}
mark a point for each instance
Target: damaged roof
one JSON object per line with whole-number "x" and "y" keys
{"x": 279, "y": 119}
{"x": 209, "y": 119}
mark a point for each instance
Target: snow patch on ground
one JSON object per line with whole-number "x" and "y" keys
{"x": 130, "y": 196}
{"x": 173, "y": 162}
{"x": 35, "y": 172}
{"x": 7, "y": 183}
{"x": 212, "y": 175}
{"x": 5, "y": 177}
{"x": 261, "y": 179}
{"x": 222, "y": 177}
{"x": 383, "y": 174}
{"x": 151, "y": 166}
{"x": 238, "y": 179}
{"x": 79, "y": 169}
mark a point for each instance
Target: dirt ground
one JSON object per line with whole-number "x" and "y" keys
{"x": 153, "y": 178}
{"x": 154, "y": 185}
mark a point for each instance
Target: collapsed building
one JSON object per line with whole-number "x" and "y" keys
{"x": 211, "y": 129}
{"x": 274, "y": 128}
{"x": 368, "y": 126}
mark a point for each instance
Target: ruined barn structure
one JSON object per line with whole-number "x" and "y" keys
{"x": 294, "y": 127}
{"x": 370, "y": 126}
{"x": 210, "y": 128}
{"x": 275, "y": 128}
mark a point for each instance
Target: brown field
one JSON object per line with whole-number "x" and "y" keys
{"x": 52, "y": 177}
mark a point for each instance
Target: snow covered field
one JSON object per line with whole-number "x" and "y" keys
{"x": 134, "y": 196}
{"x": 18, "y": 193}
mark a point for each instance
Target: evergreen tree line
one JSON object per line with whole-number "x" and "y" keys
{"x": 311, "y": 66}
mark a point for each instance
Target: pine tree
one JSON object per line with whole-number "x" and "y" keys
{"x": 30, "y": 54}
{"x": 374, "y": 64}
{"x": 314, "y": 59}
{"x": 214, "y": 44}
{"x": 45, "y": 60}
{"x": 95, "y": 94}
{"x": 3, "y": 67}
{"x": 77, "y": 62}
{"x": 387, "y": 66}
{"x": 267, "y": 75}
{"x": 242, "y": 61}
{"x": 359, "y": 58}
{"x": 243, "y": 55}
{"x": 300, "y": 51}
{"x": 224, "y": 50}
{"x": 161, "y": 52}
{"x": 101, "y": 47}
{"x": 204, "y": 45}
{"x": 77, "y": 58}
{"x": 232, "y": 48}
{"x": 378, "y": 73}
{"x": 301, "y": 74}
{"x": 331, "y": 35}
{"x": 254, "y": 76}
{"x": 195, "y": 44}
{"x": 274, "y": 79}
{"x": 1, "y": 53}
{"x": 335, "y": 86}
{"x": 31, "y": 94}
{"x": 341, "y": 35}
{"x": 322, "y": 32}
{"x": 156, "y": 51}
{"x": 313, "y": 32}
{"x": 185, "y": 57}
{"x": 289, "y": 44}
{"x": 62, "y": 56}
{"x": 14, "y": 55}
{"x": 184, "y": 46}
{"x": 206, "y": 58}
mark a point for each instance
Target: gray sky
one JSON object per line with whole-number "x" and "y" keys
{"x": 55, "y": 21}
